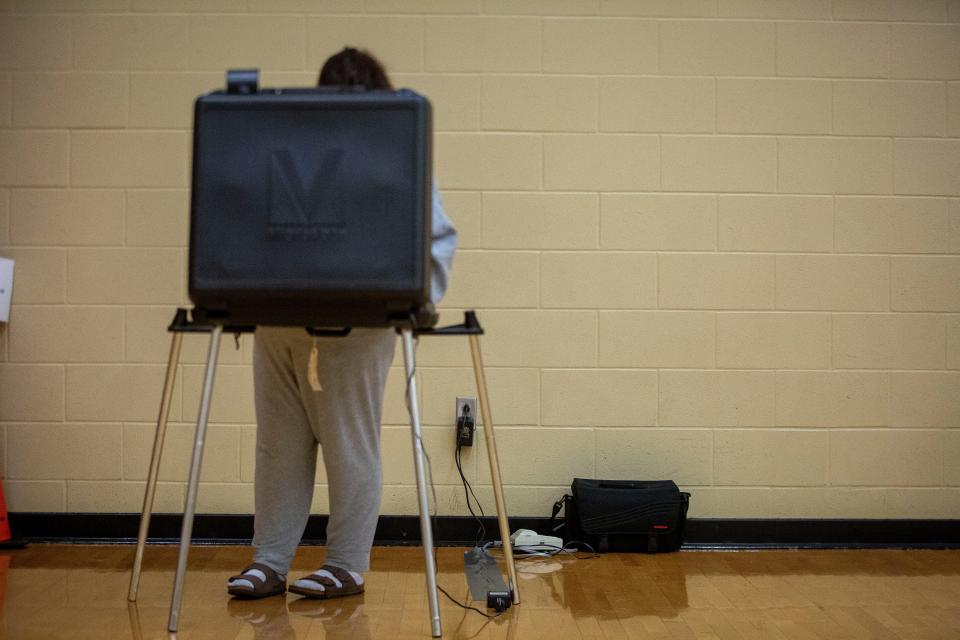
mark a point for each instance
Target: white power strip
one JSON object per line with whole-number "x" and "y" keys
{"x": 531, "y": 539}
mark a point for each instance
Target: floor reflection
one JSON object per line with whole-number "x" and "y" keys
{"x": 77, "y": 591}
{"x": 340, "y": 618}
{"x": 268, "y": 617}
{"x": 604, "y": 590}
{"x": 277, "y": 618}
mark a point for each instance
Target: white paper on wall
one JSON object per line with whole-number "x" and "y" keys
{"x": 6, "y": 288}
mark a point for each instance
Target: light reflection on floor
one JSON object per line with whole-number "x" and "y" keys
{"x": 75, "y": 591}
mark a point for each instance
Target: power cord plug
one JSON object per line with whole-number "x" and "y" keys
{"x": 466, "y": 426}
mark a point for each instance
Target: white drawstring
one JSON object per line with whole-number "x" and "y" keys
{"x": 313, "y": 376}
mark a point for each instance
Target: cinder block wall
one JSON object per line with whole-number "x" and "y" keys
{"x": 715, "y": 240}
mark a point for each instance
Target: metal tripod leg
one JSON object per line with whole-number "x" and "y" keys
{"x": 494, "y": 467}
{"x": 186, "y": 532}
{"x": 158, "y": 437}
{"x": 419, "y": 464}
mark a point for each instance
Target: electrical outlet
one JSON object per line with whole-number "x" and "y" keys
{"x": 466, "y": 420}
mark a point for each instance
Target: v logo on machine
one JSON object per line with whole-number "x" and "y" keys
{"x": 301, "y": 207}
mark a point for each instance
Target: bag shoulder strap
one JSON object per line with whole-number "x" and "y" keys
{"x": 558, "y": 506}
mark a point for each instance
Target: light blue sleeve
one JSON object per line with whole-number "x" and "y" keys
{"x": 442, "y": 247}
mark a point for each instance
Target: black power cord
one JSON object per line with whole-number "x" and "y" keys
{"x": 433, "y": 493}
{"x": 468, "y": 492}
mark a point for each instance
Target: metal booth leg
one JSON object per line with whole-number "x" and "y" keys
{"x": 195, "y": 462}
{"x": 158, "y": 437}
{"x": 494, "y": 467}
{"x": 426, "y": 531}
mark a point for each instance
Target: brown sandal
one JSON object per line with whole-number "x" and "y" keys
{"x": 335, "y": 582}
{"x": 273, "y": 584}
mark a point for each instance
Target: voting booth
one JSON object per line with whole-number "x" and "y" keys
{"x": 311, "y": 208}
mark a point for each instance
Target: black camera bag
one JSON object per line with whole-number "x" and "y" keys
{"x": 624, "y": 515}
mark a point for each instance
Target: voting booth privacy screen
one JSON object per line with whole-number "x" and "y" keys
{"x": 311, "y": 207}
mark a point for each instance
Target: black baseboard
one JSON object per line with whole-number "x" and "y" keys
{"x": 461, "y": 531}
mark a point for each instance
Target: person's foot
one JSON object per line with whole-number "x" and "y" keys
{"x": 328, "y": 582}
{"x": 257, "y": 581}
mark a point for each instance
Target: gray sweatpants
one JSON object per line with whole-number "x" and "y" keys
{"x": 343, "y": 418}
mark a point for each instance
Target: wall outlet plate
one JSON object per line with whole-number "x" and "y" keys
{"x": 463, "y": 401}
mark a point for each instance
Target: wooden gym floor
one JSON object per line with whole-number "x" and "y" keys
{"x": 76, "y": 591}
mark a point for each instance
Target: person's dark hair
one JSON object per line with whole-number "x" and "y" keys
{"x": 353, "y": 67}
